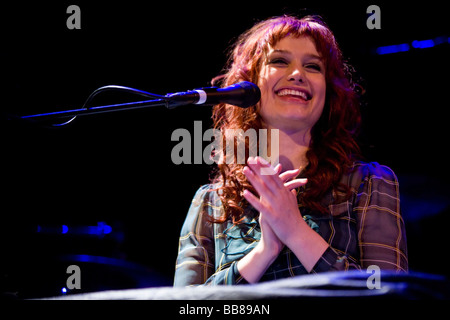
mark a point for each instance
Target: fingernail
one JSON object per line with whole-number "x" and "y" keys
{"x": 263, "y": 161}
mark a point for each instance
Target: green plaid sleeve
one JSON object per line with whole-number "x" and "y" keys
{"x": 195, "y": 261}
{"x": 201, "y": 260}
{"x": 381, "y": 233}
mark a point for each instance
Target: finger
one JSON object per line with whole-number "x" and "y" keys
{"x": 296, "y": 183}
{"x": 256, "y": 182}
{"x": 288, "y": 175}
{"x": 251, "y": 160}
{"x": 254, "y": 201}
{"x": 278, "y": 168}
{"x": 262, "y": 183}
{"x": 261, "y": 168}
{"x": 266, "y": 168}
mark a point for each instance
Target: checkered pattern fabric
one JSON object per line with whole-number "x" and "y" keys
{"x": 365, "y": 230}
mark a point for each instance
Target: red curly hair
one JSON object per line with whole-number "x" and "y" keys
{"x": 333, "y": 145}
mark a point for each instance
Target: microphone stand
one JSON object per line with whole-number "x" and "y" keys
{"x": 236, "y": 94}
{"x": 95, "y": 110}
{"x": 158, "y": 100}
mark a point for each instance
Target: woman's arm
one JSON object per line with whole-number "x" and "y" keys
{"x": 381, "y": 229}
{"x": 255, "y": 263}
{"x": 195, "y": 262}
{"x": 283, "y": 222}
{"x": 381, "y": 235}
{"x": 198, "y": 251}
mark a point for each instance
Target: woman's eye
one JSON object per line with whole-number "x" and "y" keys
{"x": 277, "y": 61}
{"x": 314, "y": 66}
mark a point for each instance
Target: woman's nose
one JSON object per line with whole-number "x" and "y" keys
{"x": 296, "y": 75}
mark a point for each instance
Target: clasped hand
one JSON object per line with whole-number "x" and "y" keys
{"x": 280, "y": 217}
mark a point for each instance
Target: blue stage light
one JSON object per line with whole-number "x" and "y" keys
{"x": 102, "y": 228}
{"x": 416, "y": 44}
{"x": 107, "y": 229}
{"x": 422, "y": 44}
{"x": 393, "y": 48}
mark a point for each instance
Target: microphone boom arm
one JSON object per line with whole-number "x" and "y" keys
{"x": 98, "y": 109}
{"x": 242, "y": 94}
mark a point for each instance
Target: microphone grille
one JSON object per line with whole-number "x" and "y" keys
{"x": 251, "y": 95}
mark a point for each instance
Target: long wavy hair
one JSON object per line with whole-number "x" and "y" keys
{"x": 333, "y": 145}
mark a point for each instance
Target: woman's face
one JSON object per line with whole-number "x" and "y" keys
{"x": 293, "y": 86}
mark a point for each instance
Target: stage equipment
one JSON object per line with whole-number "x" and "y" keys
{"x": 243, "y": 94}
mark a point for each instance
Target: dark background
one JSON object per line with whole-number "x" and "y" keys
{"x": 115, "y": 169}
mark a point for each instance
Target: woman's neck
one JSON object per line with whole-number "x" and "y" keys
{"x": 292, "y": 148}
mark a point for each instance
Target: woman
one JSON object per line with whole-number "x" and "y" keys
{"x": 341, "y": 214}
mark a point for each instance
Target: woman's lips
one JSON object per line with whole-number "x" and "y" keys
{"x": 294, "y": 94}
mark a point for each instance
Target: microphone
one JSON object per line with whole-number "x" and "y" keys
{"x": 242, "y": 94}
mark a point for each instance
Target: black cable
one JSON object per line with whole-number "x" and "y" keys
{"x": 110, "y": 88}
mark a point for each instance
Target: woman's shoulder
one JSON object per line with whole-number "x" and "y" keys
{"x": 361, "y": 172}
{"x": 374, "y": 169}
{"x": 204, "y": 206}
{"x": 208, "y": 195}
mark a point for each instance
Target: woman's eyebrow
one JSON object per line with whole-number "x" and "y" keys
{"x": 308, "y": 55}
{"x": 313, "y": 56}
{"x": 281, "y": 51}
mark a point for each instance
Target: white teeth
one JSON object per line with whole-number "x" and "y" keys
{"x": 291, "y": 92}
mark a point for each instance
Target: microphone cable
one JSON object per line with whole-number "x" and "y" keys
{"x": 86, "y": 104}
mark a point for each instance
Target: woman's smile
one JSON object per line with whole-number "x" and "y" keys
{"x": 294, "y": 95}
{"x": 293, "y": 85}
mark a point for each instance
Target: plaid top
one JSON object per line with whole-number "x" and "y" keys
{"x": 365, "y": 230}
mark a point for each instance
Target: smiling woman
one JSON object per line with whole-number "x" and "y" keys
{"x": 292, "y": 77}
{"x": 332, "y": 138}
{"x": 341, "y": 214}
